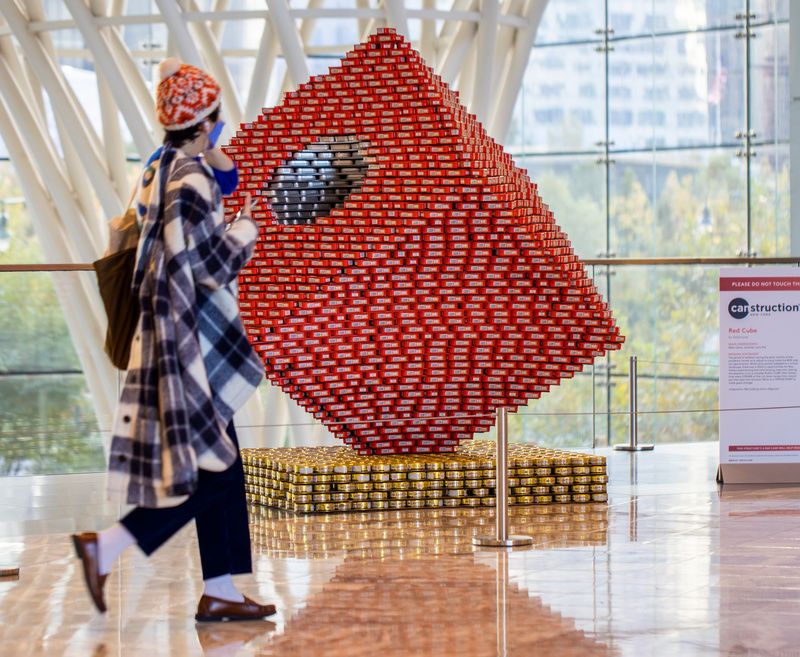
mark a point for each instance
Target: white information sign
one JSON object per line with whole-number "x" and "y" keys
{"x": 759, "y": 311}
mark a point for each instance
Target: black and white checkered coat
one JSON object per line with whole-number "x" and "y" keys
{"x": 191, "y": 365}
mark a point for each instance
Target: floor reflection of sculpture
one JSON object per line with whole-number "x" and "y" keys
{"x": 420, "y": 533}
{"x": 442, "y": 606}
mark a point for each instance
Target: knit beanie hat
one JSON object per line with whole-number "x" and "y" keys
{"x": 185, "y": 96}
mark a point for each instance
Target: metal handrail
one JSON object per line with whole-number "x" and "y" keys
{"x": 47, "y": 267}
{"x": 598, "y": 262}
{"x": 740, "y": 260}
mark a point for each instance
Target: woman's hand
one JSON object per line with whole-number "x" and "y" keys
{"x": 246, "y": 211}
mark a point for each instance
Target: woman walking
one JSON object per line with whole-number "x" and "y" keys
{"x": 174, "y": 451}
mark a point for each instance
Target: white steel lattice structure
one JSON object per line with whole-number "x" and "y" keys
{"x": 74, "y": 170}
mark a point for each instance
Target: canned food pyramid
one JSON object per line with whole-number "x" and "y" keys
{"x": 408, "y": 278}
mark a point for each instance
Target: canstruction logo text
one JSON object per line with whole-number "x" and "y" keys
{"x": 739, "y": 308}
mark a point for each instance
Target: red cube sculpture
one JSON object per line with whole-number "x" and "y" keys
{"x": 408, "y": 279}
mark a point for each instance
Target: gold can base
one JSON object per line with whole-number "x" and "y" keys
{"x": 335, "y": 479}
{"x": 508, "y": 542}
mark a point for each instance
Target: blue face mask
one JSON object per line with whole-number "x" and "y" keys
{"x": 213, "y": 136}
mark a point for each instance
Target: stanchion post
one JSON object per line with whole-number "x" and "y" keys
{"x": 501, "y": 476}
{"x": 501, "y": 538}
{"x": 633, "y": 413}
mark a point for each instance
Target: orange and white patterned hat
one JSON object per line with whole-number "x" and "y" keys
{"x": 185, "y": 96}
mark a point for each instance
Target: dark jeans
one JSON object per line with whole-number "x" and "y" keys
{"x": 219, "y": 509}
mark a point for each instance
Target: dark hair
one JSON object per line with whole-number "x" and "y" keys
{"x": 178, "y": 138}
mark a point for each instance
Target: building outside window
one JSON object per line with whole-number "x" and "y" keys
{"x": 659, "y": 173}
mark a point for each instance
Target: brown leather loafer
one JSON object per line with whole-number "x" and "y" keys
{"x": 212, "y": 609}
{"x": 86, "y": 549}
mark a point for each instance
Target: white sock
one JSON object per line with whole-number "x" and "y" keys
{"x": 222, "y": 587}
{"x": 111, "y": 543}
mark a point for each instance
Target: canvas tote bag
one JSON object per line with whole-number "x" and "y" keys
{"x": 114, "y": 273}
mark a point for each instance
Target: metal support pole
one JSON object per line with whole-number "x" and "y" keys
{"x": 633, "y": 413}
{"x": 501, "y": 539}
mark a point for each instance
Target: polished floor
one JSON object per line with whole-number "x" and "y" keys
{"x": 673, "y": 566}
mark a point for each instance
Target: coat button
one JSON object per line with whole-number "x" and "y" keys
{"x": 126, "y": 419}
{"x": 121, "y": 459}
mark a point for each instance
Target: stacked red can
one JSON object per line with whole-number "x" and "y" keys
{"x": 404, "y": 291}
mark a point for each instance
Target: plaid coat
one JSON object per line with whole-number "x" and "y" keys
{"x": 191, "y": 365}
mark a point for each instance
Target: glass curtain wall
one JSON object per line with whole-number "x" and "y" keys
{"x": 652, "y": 128}
{"x": 657, "y": 128}
{"x": 47, "y": 419}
